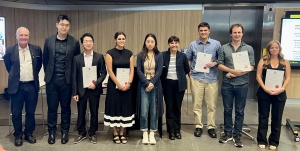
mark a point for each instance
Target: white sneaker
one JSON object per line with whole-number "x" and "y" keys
{"x": 152, "y": 140}
{"x": 145, "y": 138}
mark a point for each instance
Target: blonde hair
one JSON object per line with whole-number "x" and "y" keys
{"x": 267, "y": 56}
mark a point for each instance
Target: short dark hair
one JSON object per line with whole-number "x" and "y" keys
{"x": 86, "y": 35}
{"x": 204, "y": 24}
{"x": 236, "y": 25}
{"x": 173, "y": 38}
{"x": 63, "y": 17}
{"x": 119, "y": 33}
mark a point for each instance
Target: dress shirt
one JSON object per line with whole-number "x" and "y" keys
{"x": 88, "y": 59}
{"x": 225, "y": 58}
{"x": 26, "y": 72}
{"x": 210, "y": 47}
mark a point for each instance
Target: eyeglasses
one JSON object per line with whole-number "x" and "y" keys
{"x": 88, "y": 41}
{"x": 64, "y": 25}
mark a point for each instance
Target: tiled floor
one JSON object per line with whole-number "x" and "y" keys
{"x": 187, "y": 143}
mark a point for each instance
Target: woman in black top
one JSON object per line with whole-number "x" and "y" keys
{"x": 174, "y": 82}
{"x": 266, "y": 95}
{"x": 118, "y": 107}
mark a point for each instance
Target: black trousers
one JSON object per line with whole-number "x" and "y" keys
{"x": 173, "y": 99}
{"x": 94, "y": 107}
{"x": 264, "y": 106}
{"x": 58, "y": 92}
{"x": 26, "y": 94}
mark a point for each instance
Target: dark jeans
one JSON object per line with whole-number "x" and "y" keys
{"x": 173, "y": 99}
{"x": 238, "y": 95}
{"x": 276, "y": 117}
{"x": 94, "y": 107}
{"x": 26, "y": 94}
{"x": 58, "y": 91}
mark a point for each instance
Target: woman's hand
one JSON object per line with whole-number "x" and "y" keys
{"x": 126, "y": 87}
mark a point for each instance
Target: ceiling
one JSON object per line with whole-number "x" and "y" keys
{"x": 140, "y": 2}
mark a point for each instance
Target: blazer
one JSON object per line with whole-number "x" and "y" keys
{"x": 12, "y": 64}
{"x": 73, "y": 49}
{"x": 77, "y": 78}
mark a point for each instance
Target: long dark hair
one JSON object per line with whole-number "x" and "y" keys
{"x": 145, "y": 49}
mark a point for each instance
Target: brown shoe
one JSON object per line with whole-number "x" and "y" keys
{"x": 93, "y": 139}
{"x": 79, "y": 139}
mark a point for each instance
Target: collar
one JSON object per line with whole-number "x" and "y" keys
{"x": 20, "y": 49}
{"x": 84, "y": 54}
{"x": 198, "y": 41}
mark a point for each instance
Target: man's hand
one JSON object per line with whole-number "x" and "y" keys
{"x": 76, "y": 98}
{"x": 92, "y": 86}
{"x": 211, "y": 64}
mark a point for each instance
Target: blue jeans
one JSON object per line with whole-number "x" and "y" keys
{"x": 239, "y": 94}
{"x": 148, "y": 104}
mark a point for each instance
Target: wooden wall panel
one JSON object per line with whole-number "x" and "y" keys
{"x": 293, "y": 87}
{"x": 103, "y": 25}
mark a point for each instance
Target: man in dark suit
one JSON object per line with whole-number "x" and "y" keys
{"x": 59, "y": 51}
{"x": 91, "y": 90}
{"x": 23, "y": 62}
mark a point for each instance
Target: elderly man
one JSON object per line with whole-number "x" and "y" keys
{"x": 23, "y": 62}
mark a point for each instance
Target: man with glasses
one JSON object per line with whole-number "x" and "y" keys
{"x": 82, "y": 91}
{"x": 59, "y": 51}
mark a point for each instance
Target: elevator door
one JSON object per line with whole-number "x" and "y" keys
{"x": 220, "y": 20}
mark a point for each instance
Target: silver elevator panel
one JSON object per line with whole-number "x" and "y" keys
{"x": 251, "y": 17}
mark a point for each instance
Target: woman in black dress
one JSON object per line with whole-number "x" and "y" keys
{"x": 275, "y": 97}
{"x": 118, "y": 110}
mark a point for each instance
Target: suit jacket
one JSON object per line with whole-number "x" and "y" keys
{"x": 73, "y": 49}
{"x": 77, "y": 78}
{"x": 182, "y": 68}
{"x": 12, "y": 64}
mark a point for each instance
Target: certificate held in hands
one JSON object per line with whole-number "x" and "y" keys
{"x": 122, "y": 75}
{"x": 274, "y": 79}
{"x": 89, "y": 75}
{"x": 241, "y": 61}
{"x": 201, "y": 61}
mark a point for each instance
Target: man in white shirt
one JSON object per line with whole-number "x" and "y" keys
{"x": 23, "y": 62}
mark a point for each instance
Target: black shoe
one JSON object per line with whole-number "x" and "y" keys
{"x": 237, "y": 141}
{"x": 212, "y": 133}
{"x": 30, "y": 139}
{"x": 18, "y": 141}
{"x": 171, "y": 136}
{"x": 198, "y": 132}
{"x": 178, "y": 135}
{"x": 225, "y": 137}
{"x": 51, "y": 139}
{"x": 64, "y": 138}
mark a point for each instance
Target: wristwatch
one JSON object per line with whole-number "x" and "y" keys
{"x": 283, "y": 89}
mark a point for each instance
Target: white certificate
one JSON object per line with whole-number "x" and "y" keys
{"x": 241, "y": 61}
{"x": 89, "y": 75}
{"x": 122, "y": 75}
{"x": 201, "y": 61}
{"x": 274, "y": 79}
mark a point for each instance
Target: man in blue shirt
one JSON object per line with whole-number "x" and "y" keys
{"x": 204, "y": 85}
{"x": 234, "y": 85}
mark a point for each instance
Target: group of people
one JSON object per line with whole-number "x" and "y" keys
{"x": 161, "y": 75}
